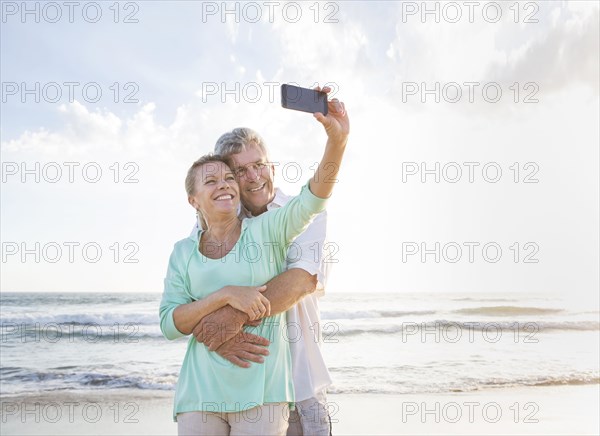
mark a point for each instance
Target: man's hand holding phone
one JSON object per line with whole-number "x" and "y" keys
{"x": 336, "y": 122}
{"x": 332, "y": 114}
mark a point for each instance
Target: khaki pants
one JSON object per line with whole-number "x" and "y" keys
{"x": 266, "y": 420}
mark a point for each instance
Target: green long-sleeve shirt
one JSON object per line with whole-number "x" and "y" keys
{"x": 207, "y": 381}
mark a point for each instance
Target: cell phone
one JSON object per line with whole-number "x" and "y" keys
{"x": 303, "y": 99}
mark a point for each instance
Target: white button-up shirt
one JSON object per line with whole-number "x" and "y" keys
{"x": 310, "y": 372}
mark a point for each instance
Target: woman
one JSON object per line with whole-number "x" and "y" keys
{"x": 214, "y": 396}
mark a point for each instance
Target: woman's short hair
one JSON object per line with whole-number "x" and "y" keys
{"x": 190, "y": 179}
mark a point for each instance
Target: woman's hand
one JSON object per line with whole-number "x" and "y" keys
{"x": 249, "y": 299}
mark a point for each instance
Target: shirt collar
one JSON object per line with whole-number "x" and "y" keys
{"x": 279, "y": 200}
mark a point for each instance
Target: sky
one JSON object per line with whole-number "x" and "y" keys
{"x": 472, "y": 163}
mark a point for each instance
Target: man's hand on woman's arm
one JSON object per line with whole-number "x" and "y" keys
{"x": 283, "y": 292}
{"x": 248, "y": 298}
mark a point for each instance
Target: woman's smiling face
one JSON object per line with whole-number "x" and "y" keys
{"x": 216, "y": 190}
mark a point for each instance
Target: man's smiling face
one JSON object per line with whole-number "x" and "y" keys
{"x": 255, "y": 177}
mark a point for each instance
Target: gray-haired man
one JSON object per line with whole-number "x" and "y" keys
{"x": 293, "y": 290}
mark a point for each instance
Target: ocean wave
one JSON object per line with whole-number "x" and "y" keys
{"x": 61, "y": 299}
{"x": 134, "y": 333}
{"x": 481, "y": 299}
{"x": 105, "y": 319}
{"x": 507, "y": 310}
{"x": 566, "y": 380}
{"x": 147, "y": 318}
{"x": 58, "y": 380}
{"x": 12, "y": 334}
{"x": 445, "y": 325}
{"x": 470, "y": 385}
{"x": 349, "y": 380}
{"x": 500, "y": 311}
{"x": 360, "y": 314}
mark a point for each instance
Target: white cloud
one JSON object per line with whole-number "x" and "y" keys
{"x": 564, "y": 53}
{"x": 88, "y": 133}
{"x": 372, "y": 211}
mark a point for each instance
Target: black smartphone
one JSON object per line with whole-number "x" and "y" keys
{"x": 303, "y": 99}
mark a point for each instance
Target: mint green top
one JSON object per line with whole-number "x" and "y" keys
{"x": 207, "y": 381}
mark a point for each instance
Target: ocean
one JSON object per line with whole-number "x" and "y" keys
{"x": 373, "y": 342}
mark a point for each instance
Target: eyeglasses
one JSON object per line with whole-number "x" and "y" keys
{"x": 257, "y": 167}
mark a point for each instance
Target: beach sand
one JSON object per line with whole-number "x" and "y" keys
{"x": 549, "y": 410}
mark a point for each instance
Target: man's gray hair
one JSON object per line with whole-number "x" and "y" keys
{"x": 237, "y": 140}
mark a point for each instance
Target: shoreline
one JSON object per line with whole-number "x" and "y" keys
{"x": 538, "y": 410}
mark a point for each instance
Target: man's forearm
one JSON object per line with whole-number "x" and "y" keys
{"x": 289, "y": 287}
{"x": 283, "y": 292}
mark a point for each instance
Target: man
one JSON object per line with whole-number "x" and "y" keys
{"x": 292, "y": 290}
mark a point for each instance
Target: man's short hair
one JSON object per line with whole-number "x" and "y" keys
{"x": 238, "y": 140}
